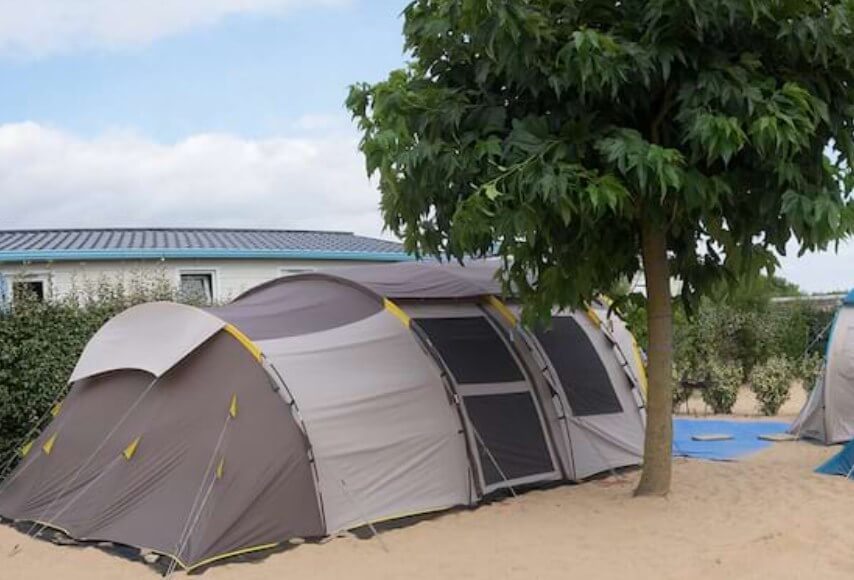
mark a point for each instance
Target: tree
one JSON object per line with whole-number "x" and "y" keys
{"x": 753, "y": 292}
{"x": 585, "y": 140}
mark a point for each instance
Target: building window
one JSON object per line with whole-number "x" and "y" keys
{"x": 28, "y": 290}
{"x": 197, "y": 287}
{"x": 5, "y": 292}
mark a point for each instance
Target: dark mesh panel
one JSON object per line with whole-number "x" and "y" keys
{"x": 585, "y": 379}
{"x": 509, "y": 426}
{"x": 472, "y": 350}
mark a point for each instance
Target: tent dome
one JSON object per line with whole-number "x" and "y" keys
{"x": 321, "y": 402}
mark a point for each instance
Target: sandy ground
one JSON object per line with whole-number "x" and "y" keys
{"x": 766, "y": 516}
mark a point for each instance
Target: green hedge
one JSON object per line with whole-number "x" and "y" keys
{"x": 40, "y": 343}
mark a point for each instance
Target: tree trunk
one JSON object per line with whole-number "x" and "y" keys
{"x": 655, "y": 479}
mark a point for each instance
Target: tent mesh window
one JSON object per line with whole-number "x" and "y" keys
{"x": 510, "y": 427}
{"x": 472, "y": 350}
{"x": 579, "y": 368}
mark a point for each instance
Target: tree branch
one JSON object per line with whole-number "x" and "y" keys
{"x": 667, "y": 103}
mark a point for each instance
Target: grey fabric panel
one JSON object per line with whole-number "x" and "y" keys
{"x": 266, "y": 494}
{"x": 480, "y": 272}
{"x": 810, "y": 421}
{"x": 604, "y": 442}
{"x": 579, "y": 367}
{"x": 597, "y": 443}
{"x": 412, "y": 280}
{"x": 427, "y": 280}
{"x": 626, "y": 344}
{"x": 509, "y": 427}
{"x": 472, "y": 350}
{"x": 150, "y": 337}
{"x": 295, "y": 306}
{"x": 386, "y": 438}
{"x": 839, "y": 380}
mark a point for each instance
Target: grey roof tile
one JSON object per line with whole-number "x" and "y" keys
{"x": 188, "y": 240}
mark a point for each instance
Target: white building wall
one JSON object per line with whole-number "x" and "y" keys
{"x": 230, "y": 277}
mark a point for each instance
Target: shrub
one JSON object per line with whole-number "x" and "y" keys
{"x": 724, "y": 380}
{"x": 770, "y": 382}
{"x": 680, "y": 395}
{"x": 807, "y": 369}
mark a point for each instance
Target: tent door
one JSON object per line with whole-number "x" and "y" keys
{"x": 503, "y": 421}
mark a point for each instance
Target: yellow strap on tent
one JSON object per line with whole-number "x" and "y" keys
{"x": 641, "y": 368}
{"x": 130, "y": 450}
{"x": 502, "y": 309}
{"x": 48, "y": 445}
{"x": 244, "y": 340}
{"x": 591, "y": 314}
{"x": 220, "y": 469}
{"x": 232, "y": 554}
{"x": 396, "y": 311}
{"x": 56, "y": 409}
{"x": 26, "y": 449}
{"x": 594, "y": 318}
{"x": 232, "y": 408}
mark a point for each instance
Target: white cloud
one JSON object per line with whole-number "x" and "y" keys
{"x": 50, "y": 178}
{"x": 38, "y": 27}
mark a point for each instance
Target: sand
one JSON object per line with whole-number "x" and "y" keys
{"x": 766, "y": 516}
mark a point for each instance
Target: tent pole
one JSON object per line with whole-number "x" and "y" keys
{"x": 595, "y": 448}
{"x": 362, "y": 514}
{"x": 492, "y": 459}
{"x": 187, "y": 530}
{"x": 174, "y": 563}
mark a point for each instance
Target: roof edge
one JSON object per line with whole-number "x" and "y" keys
{"x": 198, "y": 253}
{"x": 174, "y": 229}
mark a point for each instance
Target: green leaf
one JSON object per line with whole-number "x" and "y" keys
{"x": 490, "y": 190}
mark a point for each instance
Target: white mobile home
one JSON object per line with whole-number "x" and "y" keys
{"x": 214, "y": 265}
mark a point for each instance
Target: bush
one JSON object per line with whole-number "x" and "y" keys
{"x": 770, "y": 382}
{"x": 807, "y": 369}
{"x": 679, "y": 394}
{"x": 40, "y": 343}
{"x": 724, "y": 380}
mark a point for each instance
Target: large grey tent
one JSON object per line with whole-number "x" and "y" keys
{"x": 828, "y": 415}
{"x": 320, "y": 402}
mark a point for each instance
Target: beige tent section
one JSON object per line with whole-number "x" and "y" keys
{"x": 322, "y": 402}
{"x": 828, "y": 415}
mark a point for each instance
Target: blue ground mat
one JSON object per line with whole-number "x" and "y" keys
{"x": 744, "y": 437}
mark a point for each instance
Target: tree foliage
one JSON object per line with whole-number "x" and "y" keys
{"x": 577, "y": 139}
{"x": 548, "y": 130}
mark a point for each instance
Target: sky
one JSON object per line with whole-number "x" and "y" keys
{"x": 224, "y": 113}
